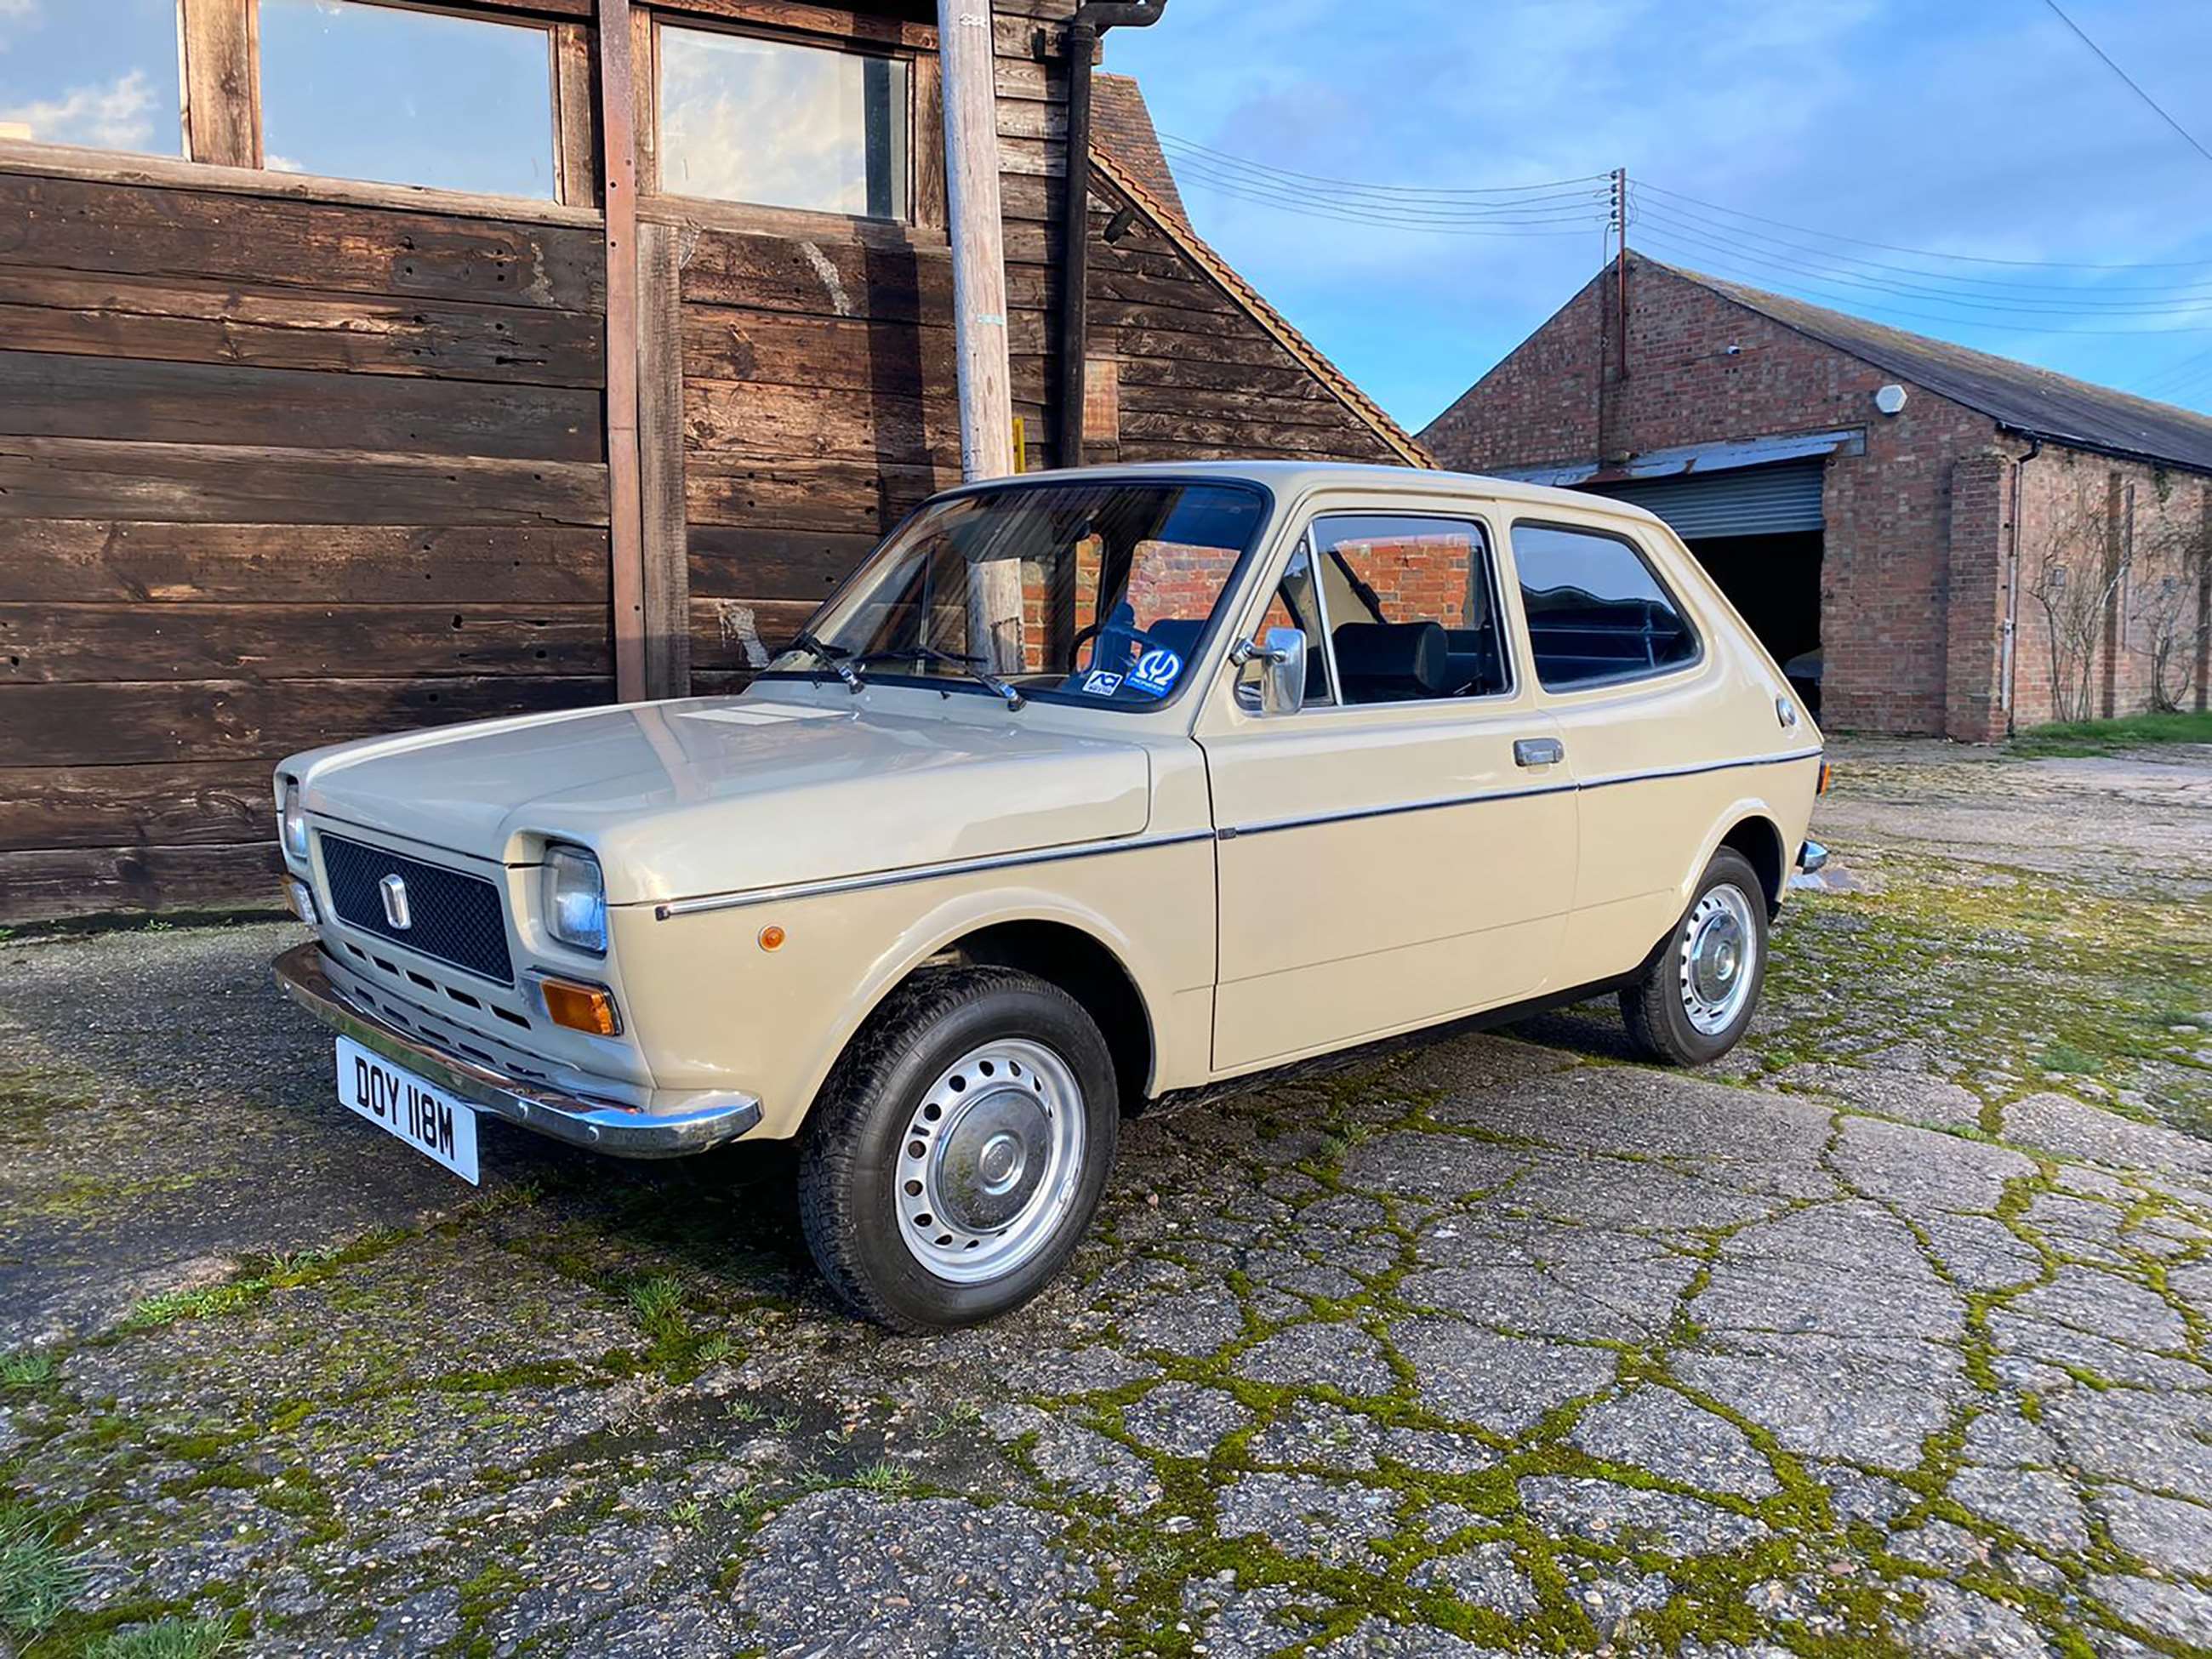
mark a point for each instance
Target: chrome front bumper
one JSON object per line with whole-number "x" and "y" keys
{"x": 621, "y": 1130}
{"x": 1812, "y": 857}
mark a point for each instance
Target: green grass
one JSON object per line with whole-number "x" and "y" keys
{"x": 170, "y": 1638}
{"x": 27, "y": 1370}
{"x": 37, "y": 1577}
{"x": 2108, "y": 737}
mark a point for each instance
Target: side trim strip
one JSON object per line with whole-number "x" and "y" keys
{"x": 1352, "y": 814}
{"x": 927, "y": 873}
{"x": 1143, "y": 843}
{"x": 1696, "y": 771}
{"x": 1269, "y": 826}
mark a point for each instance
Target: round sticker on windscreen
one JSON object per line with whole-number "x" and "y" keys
{"x": 1155, "y": 673}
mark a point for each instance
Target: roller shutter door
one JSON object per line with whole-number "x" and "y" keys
{"x": 1751, "y": 501}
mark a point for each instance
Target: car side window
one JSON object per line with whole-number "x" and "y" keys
{"x": 1296, "y": 604}
{"x": 1597, "y": 611}
{"x": 1411, "y": 607}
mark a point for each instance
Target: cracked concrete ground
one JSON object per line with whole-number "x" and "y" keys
{"x": 1890, "y": 1335}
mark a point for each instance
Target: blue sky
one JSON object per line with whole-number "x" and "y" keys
{"x": 1970, "y": 127}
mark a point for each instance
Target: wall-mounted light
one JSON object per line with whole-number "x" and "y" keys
{"x": 1890, "y": 398}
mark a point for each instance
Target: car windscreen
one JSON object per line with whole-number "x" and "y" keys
{"x": 1102, "y": 593}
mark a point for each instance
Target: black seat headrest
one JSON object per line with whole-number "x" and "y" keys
{"x": 1378, "y": 659}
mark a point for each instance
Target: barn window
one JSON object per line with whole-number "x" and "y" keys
{"x": 353, "y": 90}
{"x": 102, "y": 74}
{"x": 778, "y": 125}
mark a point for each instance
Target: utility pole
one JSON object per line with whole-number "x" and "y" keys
{"x": 978, "y": 305}
{"x": 1620, "y": 272}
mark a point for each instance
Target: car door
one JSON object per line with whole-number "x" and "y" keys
{"x": 1401, "y": 849}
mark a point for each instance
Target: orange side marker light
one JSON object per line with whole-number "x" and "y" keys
{"x": 771, "y": 937}
{"x": 1828, "y": 776}
{"x": 587, "y": 1008}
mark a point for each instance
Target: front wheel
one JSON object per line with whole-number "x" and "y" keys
{"x": 959, "y": 1149}
{"x": 1693, "y": 999}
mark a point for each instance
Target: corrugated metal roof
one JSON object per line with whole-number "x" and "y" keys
{"x": 1695, "y": 458}
{"x": 2016, "y": 395}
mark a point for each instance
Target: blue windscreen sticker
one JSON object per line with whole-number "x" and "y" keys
{"x": 1100, "y": 684}
{"x": 1155, "y": 672}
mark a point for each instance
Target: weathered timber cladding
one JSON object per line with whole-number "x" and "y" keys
{"x": 285, "y": 461}
{"x": 819, "y": 401}
{"x": 273, "y": 472}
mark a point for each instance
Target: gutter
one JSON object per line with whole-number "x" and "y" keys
{"x": 2010, "y": 648}
{"x": 1083, "y": 30}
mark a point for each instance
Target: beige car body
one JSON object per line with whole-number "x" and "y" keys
{"x": 1268, "y": 887}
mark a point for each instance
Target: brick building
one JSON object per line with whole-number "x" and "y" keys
{"x": 1954, "y": 542}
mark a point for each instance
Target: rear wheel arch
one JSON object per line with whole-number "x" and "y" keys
{"x": 1759, "y": 840}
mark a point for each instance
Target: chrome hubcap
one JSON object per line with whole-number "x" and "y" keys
{"x": 990, "y": 1162}
{"x": 1720, "y": 940}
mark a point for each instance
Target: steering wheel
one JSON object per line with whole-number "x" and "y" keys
{"x": 1100, "y": 630}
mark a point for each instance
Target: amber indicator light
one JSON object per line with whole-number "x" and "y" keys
{"x": 771, "y": 937}
{"x": 581, "y": 1007}
{"x": 1828, "y": 776}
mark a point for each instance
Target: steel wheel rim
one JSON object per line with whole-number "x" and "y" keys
{"x": 1718, "y": 958}
{"x": 989, "y": 1163}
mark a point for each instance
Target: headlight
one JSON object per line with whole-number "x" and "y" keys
{"x": 292, "y": 823}
{"x": 575, "y": 897}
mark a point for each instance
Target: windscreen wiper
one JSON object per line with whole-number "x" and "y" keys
{"x": 835, "y": 660}
{"x": 971, "y": 666}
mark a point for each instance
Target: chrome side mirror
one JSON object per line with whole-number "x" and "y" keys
{"x": 1282, "y": 657}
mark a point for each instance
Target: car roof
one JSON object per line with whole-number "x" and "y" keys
{"x": 1288, "y": 479}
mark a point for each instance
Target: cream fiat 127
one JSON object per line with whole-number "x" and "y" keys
{"x": 1088, "y": 788}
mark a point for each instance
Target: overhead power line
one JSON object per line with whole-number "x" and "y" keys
{"x": 2104, "y": 57}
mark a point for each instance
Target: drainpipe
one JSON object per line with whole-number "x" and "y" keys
{"x": 2012, "y": 591}
{"x": 1083, "y": 31}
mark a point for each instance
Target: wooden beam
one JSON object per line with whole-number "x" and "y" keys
{"x": 978, "y": 239}
{"x": 576, "y": 132}
{"x": 618, "y": 175}
{"x": 220, "y": 52}
{"x": 979, "y": 302}
{"x": 667, "y": 570}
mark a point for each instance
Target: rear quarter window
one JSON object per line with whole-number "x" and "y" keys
{"x": 1598, "y": 613}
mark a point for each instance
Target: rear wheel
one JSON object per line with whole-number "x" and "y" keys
{"x": 1694, "y": 999}
{"x": 959, "y": 1149}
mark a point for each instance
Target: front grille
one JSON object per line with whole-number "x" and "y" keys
{"x": 453, "y": 917}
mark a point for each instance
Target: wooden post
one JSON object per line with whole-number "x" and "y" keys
{"x": 618, "y": 176}
{"x": 665, "y": 557}
{"x": 979, "y": 302}
{"x": 220, "y": 48}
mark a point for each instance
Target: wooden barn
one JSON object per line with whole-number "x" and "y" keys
{"x": 364, "y": 366}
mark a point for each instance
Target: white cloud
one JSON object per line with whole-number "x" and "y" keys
{"x": 117, "y": 115}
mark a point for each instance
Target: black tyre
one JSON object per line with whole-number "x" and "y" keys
{"x": 959, "y": 1148}
{"x": 1695, "y": 996}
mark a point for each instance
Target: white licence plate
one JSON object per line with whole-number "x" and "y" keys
{"x": 433, "y": 1122}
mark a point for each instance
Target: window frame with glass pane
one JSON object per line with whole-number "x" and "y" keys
{"x": 553, "y": 189}
{"x": 58, "y": 102}
{"x": 900, "y": 135}
{"x": 1483, "y": 565}
{"x": 1634, "y": 674}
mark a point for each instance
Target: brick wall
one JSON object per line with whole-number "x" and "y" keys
{"x": 1702, "y": 370}
{"x": 2079, "y": 513}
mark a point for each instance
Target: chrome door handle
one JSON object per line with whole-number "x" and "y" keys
{"x": 1537, "y": 751}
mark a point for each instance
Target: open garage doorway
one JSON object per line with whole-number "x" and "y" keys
{"x": 1759, "y": 531}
